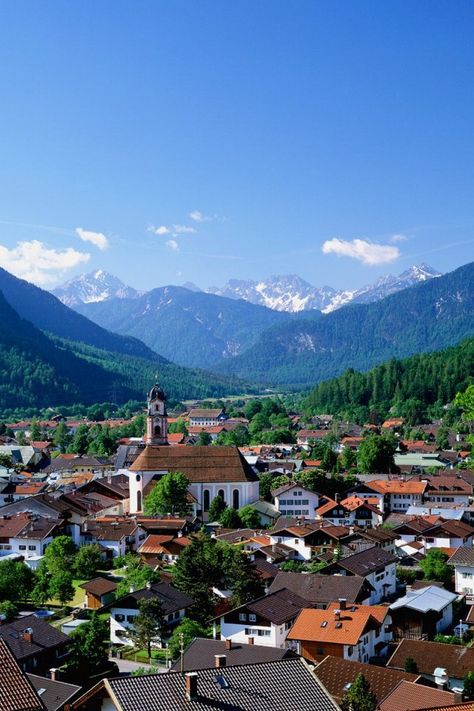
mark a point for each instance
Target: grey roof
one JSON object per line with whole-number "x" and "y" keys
{"x": 277, "y": 607}
{"x": 464, "y": 555}
{"x": 53, "y": 694}
{"x": 316, "y": 588}
{"x": 426, "y": 599}
{"x": 171, "y": 599}
{"x": 45, "y": 637}
{"x": 367, "y": 561}
{"x": 16, "y": 691}
{"x": 286, "y": 685}
{"x": 201, "y": 652}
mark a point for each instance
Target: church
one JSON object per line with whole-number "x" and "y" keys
{"x": 211, "y": 470}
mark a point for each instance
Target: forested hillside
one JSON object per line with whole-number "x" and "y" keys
{"x": 422, "y": 318}
{"x": 416, "y": 388}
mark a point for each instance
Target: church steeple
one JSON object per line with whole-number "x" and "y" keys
{"x": 156, "y": 421}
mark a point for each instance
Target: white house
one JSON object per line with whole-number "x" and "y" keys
{"x": 203, "y": 417}
{"x": 399, "y": 494}
{"x": 117, "y": 535}
{"x": 294, "y": 500}
{"x": 463, "y": 561}
{"x": 124, "y": 610}
{"x": 376, "y": 565}
{"x": 264, "y": 621}
{"x": 308, "y": 538}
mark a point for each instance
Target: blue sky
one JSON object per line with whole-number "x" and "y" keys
{"x": 200, "y": 141}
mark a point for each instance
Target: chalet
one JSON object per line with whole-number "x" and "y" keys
{"x": 447, "y": 489}
{"x": 374, "y": 564}
{"x": 64, "y": 511}
{"x": 446, "y": 665}
{"x": 164, "y": 548}
{"x": 34, "y": 537}
{"x": 36, "y": 645}
{"x": 306, "y": 437}
{"x": 463, "y": 562}
{"x": 321, "y": 590}
{"x": 294, "y": 500}
{"x": 264, "y": 621}
{"x": 117, "y": 535}
{"x": 350, "y": 511}
{"x": 398, "y": 494}
{"x": 308, "y": 538}
{"x": 283, "y": 684}
{"x": 357, "y": 633}
{"x": 202, "y": 417}
{"x": 124, "y": 610}
{"x": 423, "y": 613}
{"x": 99, "y": 592}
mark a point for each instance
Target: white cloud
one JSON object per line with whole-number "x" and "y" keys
{"x": 199, "y": 216}
{"x": 37, "y": 263}
{"x": 96, "y": 238}
{"x": 368, "y": 253}
{"x": 398, "y": 238}
{"x": 183, "y": 229}
{"x": 173, "y": 245}
{"x": 161, "y": 230}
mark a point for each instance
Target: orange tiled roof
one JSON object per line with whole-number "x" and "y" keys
{"x": 346, "y": 629}
{"x": 396, "y": 486}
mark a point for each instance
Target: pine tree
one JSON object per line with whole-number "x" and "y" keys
{"x": 359, "y": 697}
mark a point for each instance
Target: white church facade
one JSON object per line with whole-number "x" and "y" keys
{"x": 211, "y": 470}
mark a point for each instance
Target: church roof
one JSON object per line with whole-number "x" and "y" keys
{"x": 199, "y": 464}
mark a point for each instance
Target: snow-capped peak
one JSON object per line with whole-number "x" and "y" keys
{"x": 93, "y": 287}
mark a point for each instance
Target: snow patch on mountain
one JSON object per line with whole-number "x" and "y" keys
{"x": 92, "y": 288}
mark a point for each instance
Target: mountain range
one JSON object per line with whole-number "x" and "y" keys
{"x": 51, "y": 355}
{"x": 287, "y": 292}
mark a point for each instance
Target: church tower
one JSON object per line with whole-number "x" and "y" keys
{"x": 156, "y": 421}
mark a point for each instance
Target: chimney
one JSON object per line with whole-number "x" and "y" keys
{"x": 220, "y": 660}
{"x": 54, "y": 674}
{"x": 251, "y": 640}
{"x": 28, "y": 635}
{"x": 191, "y": 679}
{"x": 337, "y": 498}
{"x": 337, "y": 614}
{"x": 458, "y": 696}
{"x": 342, "y": 603}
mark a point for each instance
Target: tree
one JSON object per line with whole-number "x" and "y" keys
{"x": 240, "y": 576}
{"x": 442, "y": 438}
{"x": 468, "y": 687}
{"x": 60, "y": 553}
{"x": 8, "y": 610}
{"x": 266, "y": 486}
{"x": 16, "y": 581}
{"x": 87, "y": 561}
{"x": 376, "y": 454}
{"x": 217, "y": 508}
{"x": 465, "y": 401}
{"x": 89, "y": 653}
{"x": 178, "y": 426}
{"x": 148, "y": 624}
{"x": 61, "y": 437}
{"x": 434, "y": 566}
{"x": 137, "y": 575}
{"x": 6, "y": 461}
{"x": 35, "y": 431}
{"x": 249, "y": 517}
{"x": 40, "y": 592}
{"x": 61, "y": 587}
{"x": 359, "y": 697}
{"x": 204, "y": 439}
{"x": 348, "y": 458}
{"x": 196, "y": 573}
{"x": 169, "y": 495}
{"x": 189, "y": 629}
{"x": 411, "y": 666}
{"x": 230, "y": 518}
{"x": 80, "y": 441}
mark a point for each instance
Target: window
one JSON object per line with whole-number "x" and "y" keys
{"x": 242, "y": 617}
{"x": 350, "y": 651}
{"x": 119, "y": 618}
{"x": 31, "y": 548}
{"x": 130, "y": 618}
{"x": 296, "y": 540}
{"x": 207, "y": 500}
{"x": 22, "y": 548}
{"x": 235, "y": 499}
{"x": 467, "y": 575}
{"x": 252, "y": 618}
{"x": 221, "y": 494}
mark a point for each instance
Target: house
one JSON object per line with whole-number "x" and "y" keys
{"x": 264, "y": 621}
{"x": 294, "y": 500}
{"x": 204, "y": 653}
{"x": 164, "y": 548}
{"x": 376, "y": 565}
{"x": 434, "y": 532}
{"x": 463, "y": 562}
{"x": 118, "y": 535}
{"x": 349, "y": 512}
{"x": 445, "y": 665}
{"x": 64, "y": 511}
{"x": 355, "y": 632}
{"x": 203, "y": 417}
{"x": 338, "y": 674}
{"x": 381, "y": 537}
{"x": 447, "y": 489}
{"x": 321, "y": 590}
{"x": 35, "y": 536}
{"x": 287, "y": 684}
{"x": 422, "y": 613}
{"x": 306, "y": 437}
{"x": 36, "y": 645}
{"x": 412, "y": 697}
{"x": 399, "y": 494}
{"x": 124, "y": 610}
{"x": 99, "y": 592}
{"x": 16, "y": 691}
{"x": 307, "y": 538}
